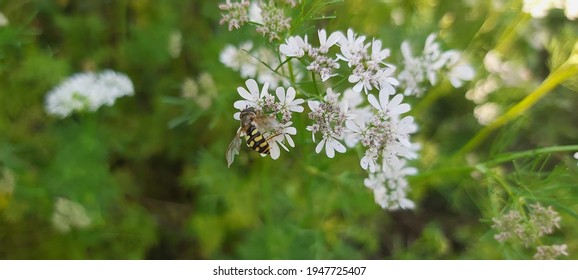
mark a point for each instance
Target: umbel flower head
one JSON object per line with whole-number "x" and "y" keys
{"x": 236, "y": 13}
{"x": 385, "y": 134}
{"x": 274, "y": 21}
{"x": 528, "y": 228}
{"x": 87, "y": 92}
{"x": 329, "y": 117}
{"x": 69, "y": 214}
{"x": 368, "y": 68}
{"x": 418, "y": 70}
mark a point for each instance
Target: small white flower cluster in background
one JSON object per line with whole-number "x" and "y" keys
{"x": 3, "y": 20}
{"x": 540, "y": 8}
{"x": 433, "y": 62}
{"x": 7, "y": 185}
{"x": 87, "y": 92}
{"x": 274, "y": 21}
{"x": 175, "y": 44}
{"x": 275, "y": 113}
{"x": 69, "y": 214}
{"x": 258, "y": 63}
{"x": 502, "y": 73}
{"x": 202, "y": 91}
{"x": 268, "y": 15}
{"x": 528, "y": 230}
{"x": 236, "y": 13}
{"x": 550, "y": 252}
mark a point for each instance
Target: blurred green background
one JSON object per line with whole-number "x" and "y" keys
{"x": 153, "y": 189}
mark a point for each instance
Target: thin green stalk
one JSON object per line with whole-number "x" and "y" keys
{"x": 499, "y": 159}
{"x": 511, "y": 33}
{"x": 291, "y": 74}
{"x": 516, "y": 155}
{"x": 561, "y": 74}
{"x": 315, "y": 84}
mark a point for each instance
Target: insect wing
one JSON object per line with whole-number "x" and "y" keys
{"x": 233, "y": 149}
{"x": 266, "y": 123}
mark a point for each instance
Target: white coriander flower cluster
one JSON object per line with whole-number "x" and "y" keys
{"x": 236, "y": 13}
{"x": 356, "y": 117}
{"x": 368, "y": 69}
{"x": 540, "y": 8}
{"x": 529, "y": 227}
{"x": 385, "y": 136}
{"x": 273, "y": 114}
{"x": 419, "y": 70}
{"x": 269, "y": 16}
{"x": 69, "y": 214}
{"x": 551, "y": 252}
{"x": 329, "y": 119}
{"x": 507, "y": 72}
{"x": 274, "y": 21}
{"x": 320, "y": 61}
{"x": 87, "y": 92}
{"x": 365, "y": 61}
{"x": 258, "y": 63}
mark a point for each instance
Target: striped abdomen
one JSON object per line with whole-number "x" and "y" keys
{"x": 256, "y": 141}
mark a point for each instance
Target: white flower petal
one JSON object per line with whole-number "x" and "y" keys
{"x": 290, "y": 94}
{"x": 275, "y": 152}
{"x": 291, "y": 130}
{"x": 384, "y": 100}
{"x": 252, "y": 86}
{"x": 313, "y": 105}
{"x": 322, "y": 36}
{"x": 329, "y": 149}
{"x": 338, "y": 146}
{"x": 264, "y": 91}
{"x": 364, "y": 162}
{"x": 241, "y": 104}
{"x": 280, "y": 94}
{"x": 319, "y": 146}
{"x": 373, "y": 101}
{"x": 406, "y": 50}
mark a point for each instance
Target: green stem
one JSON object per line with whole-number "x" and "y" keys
{"x": 561, "y": 74}
{"x": 484, "y": 166}
{"x": 511, "y": 33}
{"x": 315, "y": 84}
{"x": 291, "y": 74}
{"x": 516, "y": 155}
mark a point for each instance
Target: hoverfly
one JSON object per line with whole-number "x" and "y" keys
{"x": 252, "y": 126}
